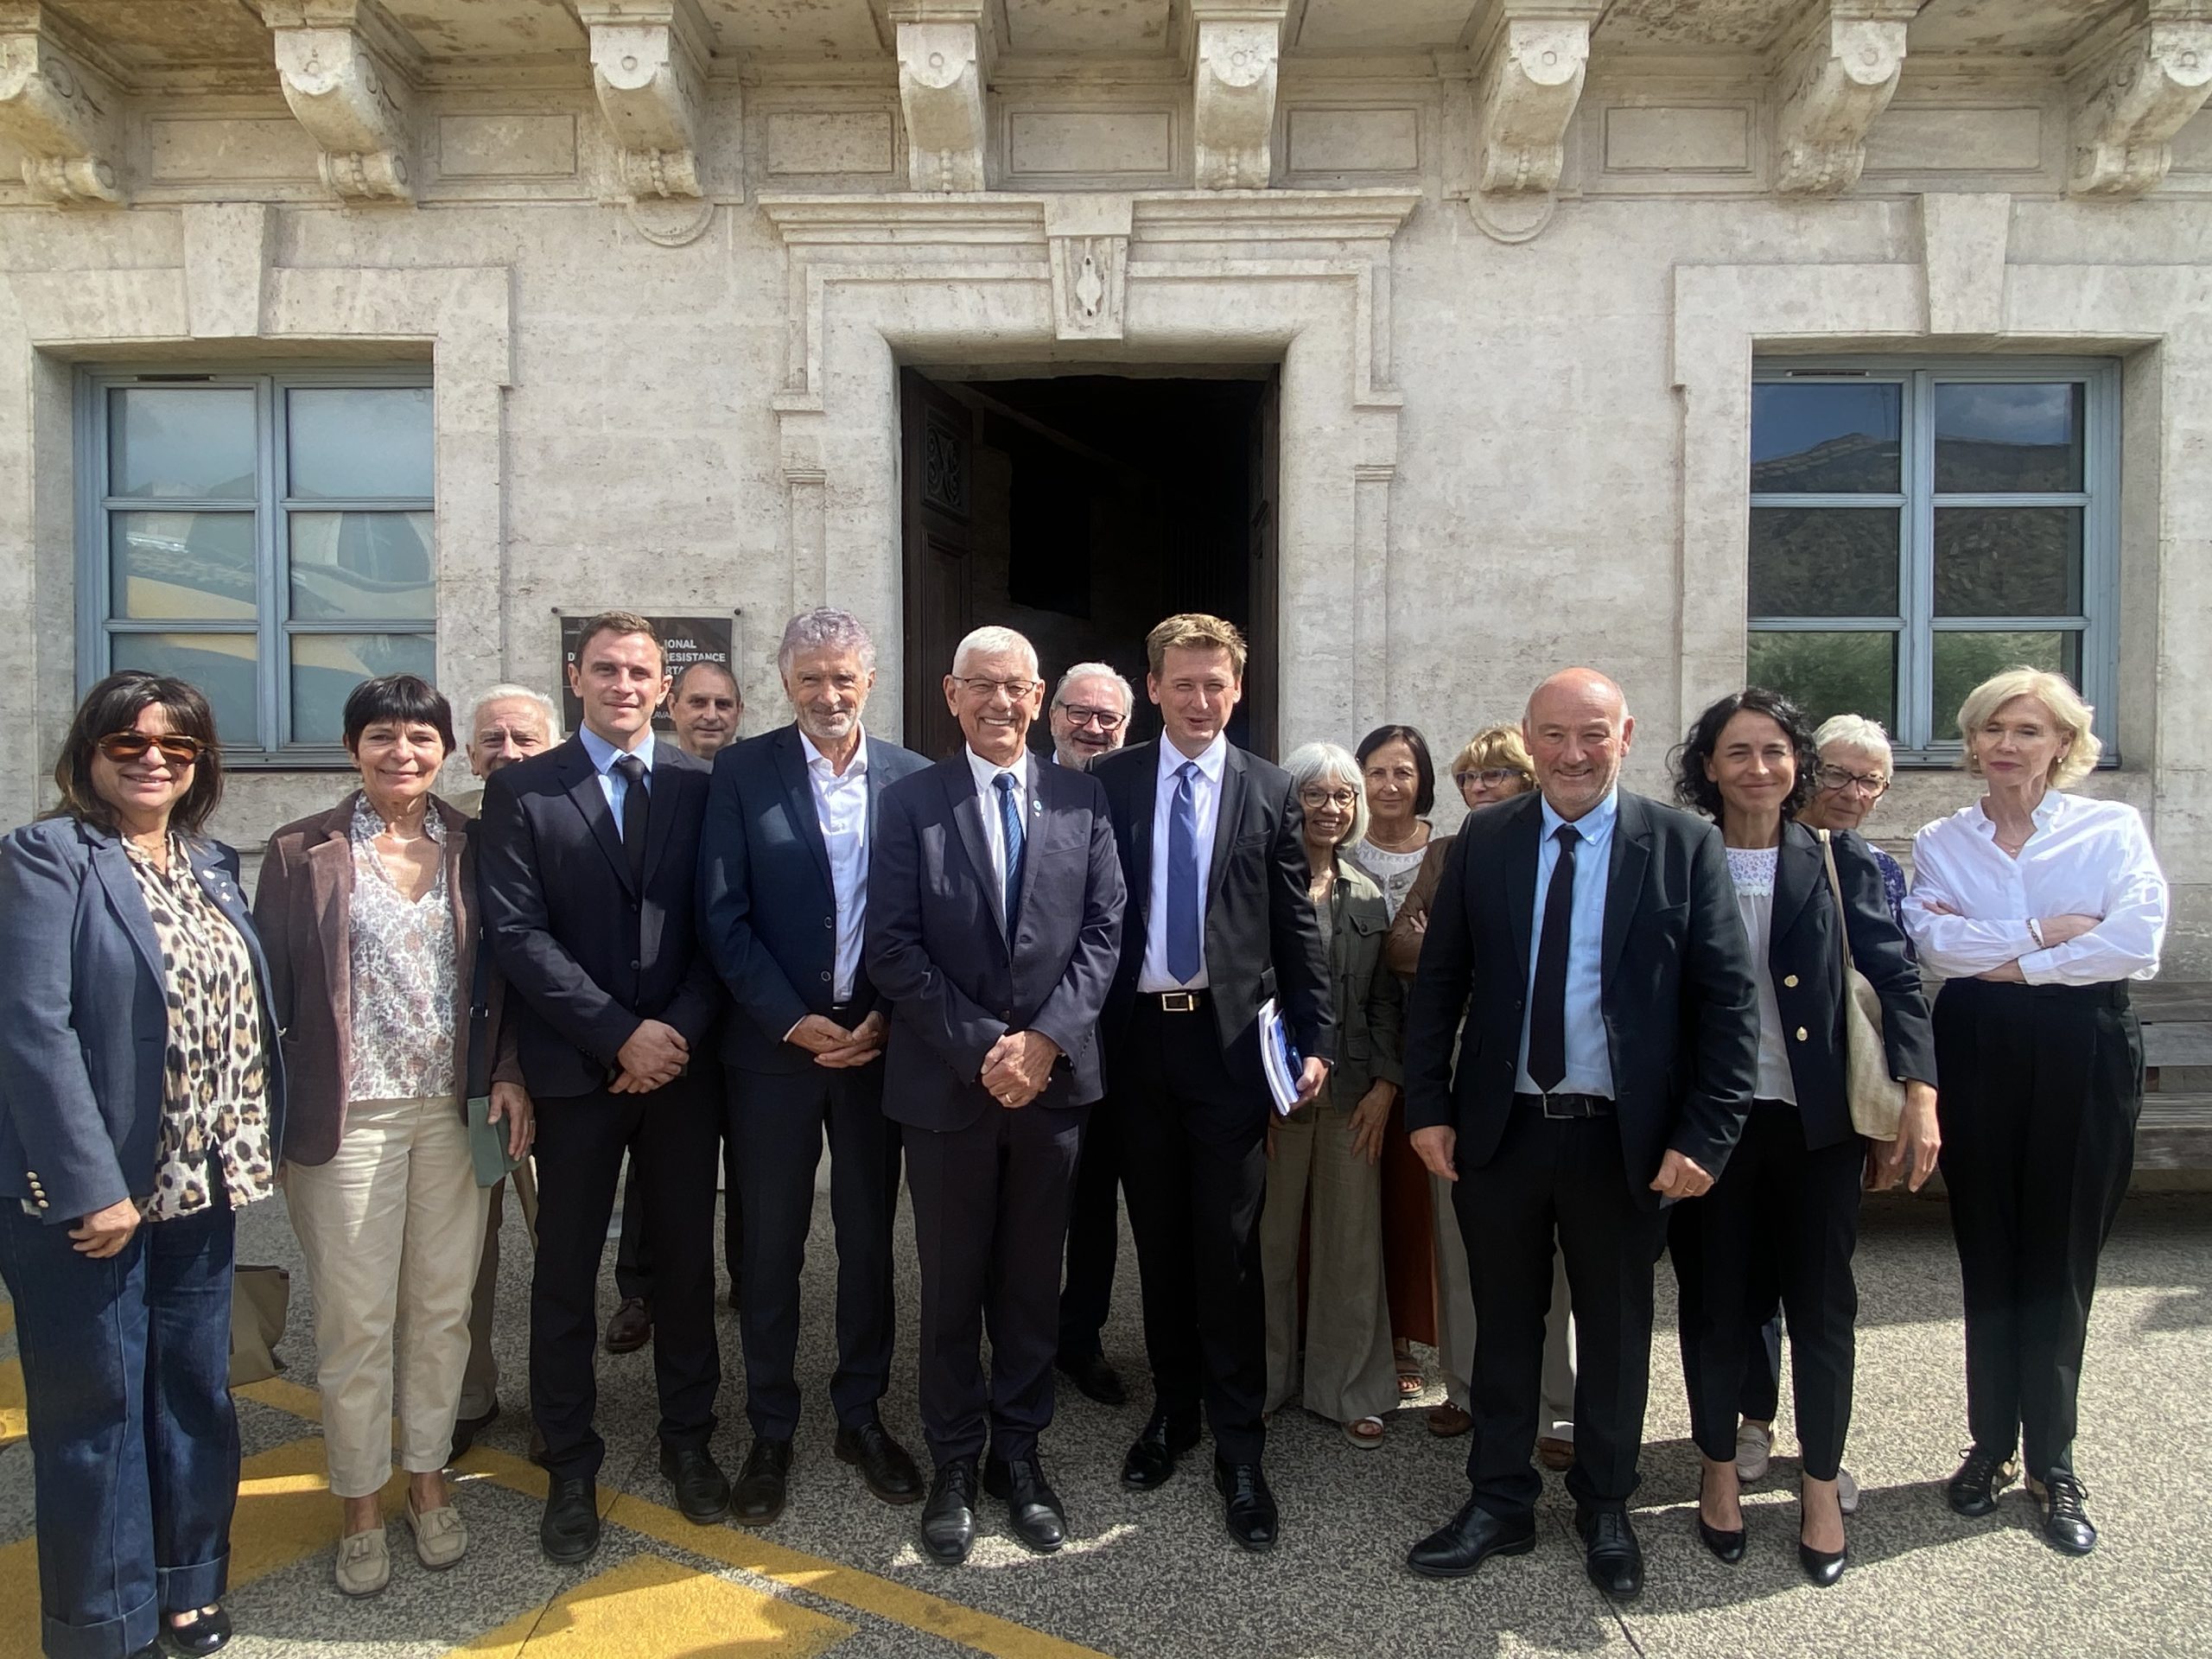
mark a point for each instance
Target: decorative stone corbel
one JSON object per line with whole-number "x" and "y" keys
{"x": 2129, "y": 104}
{"x": 1527, "y": 79}
{"x": 59, "y": 114}
{"x": 1235, "y": 45}
{"x": 345, "y": 92}
{"x": 1088, "y": 237}
{"x": 647, "y": 61}
{"x": 1834, "y": 82}
{"x": 945, "y": 58}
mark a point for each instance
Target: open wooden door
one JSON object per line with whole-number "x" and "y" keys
{"x": 1262, "y": 710}
{"x": 936, "y": 481}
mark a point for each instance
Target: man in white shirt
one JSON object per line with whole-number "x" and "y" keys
{"x": 783, "y": 891}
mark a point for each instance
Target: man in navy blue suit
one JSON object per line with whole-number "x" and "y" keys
{"x": 791, "y": 818}
{"x": 993, "y": 926}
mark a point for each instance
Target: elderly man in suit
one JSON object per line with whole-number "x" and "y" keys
{"x": 993, "y": 920}
{"x": 588, "y": 858}
{"x": 1212, "y": 848}
{"x": 1589, "y": 939}
{"x": 791, "y": 819}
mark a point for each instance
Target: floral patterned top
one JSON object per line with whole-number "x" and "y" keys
{"x": 215, "y": 1080}
{"x": 406, "y": 975}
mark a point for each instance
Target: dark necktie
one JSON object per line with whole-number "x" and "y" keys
{"x": 1548, "y": 1009}
{"x": 636, "y": 803}
{"x": 1010, "y": 829}
{"x": 1185, "y": 943}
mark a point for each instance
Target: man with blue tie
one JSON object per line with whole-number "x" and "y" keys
{"x": 994, "y": 922}
{"x": 1212, "y": 848}
{"x": 1585, "y": 957}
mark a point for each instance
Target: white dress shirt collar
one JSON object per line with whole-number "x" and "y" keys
{"x": 1594, "y": 825}
{"x": 604, "y": 754}
{"x": 1210, "y": 759}
{"x": 815, "y": 758}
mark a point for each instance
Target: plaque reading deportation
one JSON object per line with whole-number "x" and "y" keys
{"x": 686, "y": 640}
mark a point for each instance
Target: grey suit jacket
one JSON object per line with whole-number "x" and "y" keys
{"x": 84, "y": 1017}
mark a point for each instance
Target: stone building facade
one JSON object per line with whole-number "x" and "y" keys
{"x": 1855, "y": 343}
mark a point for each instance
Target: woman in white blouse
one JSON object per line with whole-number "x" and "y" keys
{"x": 370, "y": 919}
{"x": 2037, "y": 906}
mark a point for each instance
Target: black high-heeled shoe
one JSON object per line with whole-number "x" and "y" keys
{"x": 198, "y": 1635}
{"x": 1822, "y": 1567}
{"x": 1725, "y": 1546}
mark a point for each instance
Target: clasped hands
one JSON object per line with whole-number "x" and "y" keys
{"x": 1018, "y": 1067}
{"x": 655, "y": 1054}
{"x": 833, "y": 1046}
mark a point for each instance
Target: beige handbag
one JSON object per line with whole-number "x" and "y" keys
{"x": 1876, "y": 1098}
{"x": 260, "y": 1298}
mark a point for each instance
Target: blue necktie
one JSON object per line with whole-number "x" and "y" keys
{"x": 1010, "y": 827}
{"x": 1185, "y": 943}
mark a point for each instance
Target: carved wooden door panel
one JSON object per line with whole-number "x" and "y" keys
{"x": 937, "y": 483}
{"x": 1264, "y": 633}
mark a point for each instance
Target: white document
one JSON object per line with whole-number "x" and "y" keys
{"x": 1279, "y": 1058}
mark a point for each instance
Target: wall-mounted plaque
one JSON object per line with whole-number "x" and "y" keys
{"x": 687, "y": 640}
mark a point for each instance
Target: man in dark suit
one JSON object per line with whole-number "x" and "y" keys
{"x": 994, "y": 921}
{"x": 1590, "y": 940}
{"x": 1211, "y": 847}
{"x": 588, "y": 858}
{"x": 783, "y": 899}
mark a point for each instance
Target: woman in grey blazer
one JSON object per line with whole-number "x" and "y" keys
{"x": 141, "y": 1096}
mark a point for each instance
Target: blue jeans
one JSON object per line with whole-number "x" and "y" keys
{"x": 134, "y": 1440}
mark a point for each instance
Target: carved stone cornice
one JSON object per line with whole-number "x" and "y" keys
{"x": 944, "y": 59}
{"x": 347, "y": 92}
{"x": 2129, "y": 104}
{"x": 1530, "y": 66}
{"x": 61, "y": 113}
{"x": 1833, "y": 81}
{"x": 1235, "y": 46}
{"x": 648, "y": 59}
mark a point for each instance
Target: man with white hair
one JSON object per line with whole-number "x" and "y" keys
{"x": 1090, "y": 714}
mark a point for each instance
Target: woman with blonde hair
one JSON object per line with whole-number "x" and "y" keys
{"x": 2037, "y": 905}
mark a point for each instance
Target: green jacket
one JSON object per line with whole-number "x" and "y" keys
{"x": 1369, "y": 998}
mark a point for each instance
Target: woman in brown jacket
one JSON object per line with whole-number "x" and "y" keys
{"x": 368, "y": 914}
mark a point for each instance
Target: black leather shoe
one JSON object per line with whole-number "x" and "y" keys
{"x": 1151, "y": 1459}
{"x": 1469, "y": 1539}
{"x": 1973, "y": 1492}
{"x": 1822, "y": 1567}
{"x": 702, "y": 1489}
{"x": 465, "y": 1429}
{"x": 949, "y": 1517}
{"x": 1610, "y": 1554}
{"x": 1251, "y": 1514}
{"x": 1094, "y": 1378}
{"x": 203, "y": 1633}
{"x": 569, "y": 1530}
{"x": 883, "y": 1463}
{"x": 1039, "y": 1521}
{"x": 630, "y": 1326}
{"x": 2066, "y": 1525}
{"x": 1725, "y": 1545}
{"x": 763, "y": 1482}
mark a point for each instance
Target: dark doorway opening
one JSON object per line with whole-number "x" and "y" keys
{"x": 1080, "y": 509}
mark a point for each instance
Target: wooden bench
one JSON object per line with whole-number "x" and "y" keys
{"x": 2175, "y": 1132}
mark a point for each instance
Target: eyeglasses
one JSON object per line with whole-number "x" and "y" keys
{"x": 1342, "y": 799}
{"x": 1489, "y": 776}
{"x": 1105, "y": 720}
{"x": 176, "y": 748}
{"x": 1014, "y": 689}
{"x": 1874, "y": 783}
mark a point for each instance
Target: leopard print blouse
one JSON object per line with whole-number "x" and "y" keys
{"x": 214, "y": 1077}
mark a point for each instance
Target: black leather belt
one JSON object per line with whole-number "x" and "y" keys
{"x": 1176, "y": 1002}
{"x": 1556, "y": 1105}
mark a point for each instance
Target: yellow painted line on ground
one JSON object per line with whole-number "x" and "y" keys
{"x": 15, "y": 1418}
{"x": 7, "y": 1318}
{"x": 653, "y": 1608}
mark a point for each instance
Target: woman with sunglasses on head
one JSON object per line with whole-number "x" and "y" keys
{"x": 141, "y": 1095}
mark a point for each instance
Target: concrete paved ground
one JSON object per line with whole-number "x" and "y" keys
{"x": 1149, "y": 1575}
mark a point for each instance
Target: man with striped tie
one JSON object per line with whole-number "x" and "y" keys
{"x": 993, "y": 925}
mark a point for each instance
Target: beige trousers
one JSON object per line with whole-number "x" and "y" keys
{"x": 392, "y": 1229}
{"x": 1348, "y": 1372}
{"x": 1455, "y": 1323}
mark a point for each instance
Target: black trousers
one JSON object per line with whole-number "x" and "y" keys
{"x": 670, "y": 1136}
{"x": 633, "y": 1256}
{"x": 1777, "y": 1202}
{"x": 1094, "y": 1238}
{"x": 1194, "y": 1168}
{"x": 1564, "y": 1178}
{"x": 779, "y": 1120}
{"x": 990, "y": 1221}
{"x": 2042, "y": 1087}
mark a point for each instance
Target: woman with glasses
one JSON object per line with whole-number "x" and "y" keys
{"x": 1493, "y": 766}
{"x": 141, "y": 1099}
{"x": 1325, "y": 1182}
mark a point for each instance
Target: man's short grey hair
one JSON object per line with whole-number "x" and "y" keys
{"x": 1331, "y": 763}
{"x": 990, "y": 640}
{"x": 1855, "y": 732}
{"x": 1095, "y": 671}
{"x": 675, "y": 685}
{"x": 825, "y": 629}
{"x": 507, "y": 689}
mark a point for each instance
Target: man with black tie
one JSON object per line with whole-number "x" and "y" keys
{"x": 783, "y": 898}
{"x": 1589, "y": 938}
{"x": 994, "y": 923}
{"x": 1212, "y": 847}
{"x": 588, "y": 857}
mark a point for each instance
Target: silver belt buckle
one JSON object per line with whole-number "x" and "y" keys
{"x": 1544, "y": 1103}
{"x": 1179, "y": 1001}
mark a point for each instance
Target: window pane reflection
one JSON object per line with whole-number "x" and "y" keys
{"x": 1824, "y": 562}
{"x": 364, "y": 566}
{"x": 1992, "y": 439}
{"x": 2008, "y": 561}
{"x": 181, "y": 566}
{"x": 181, "y": 442}
{"x": 359, "y": 442}
{"x": 220, "y": 664}
{"x": 1829, "y": 673}
{"x": 326, "y": 667}
{"x": 1964, "y": 660}
{"x": 1826, "y": 439}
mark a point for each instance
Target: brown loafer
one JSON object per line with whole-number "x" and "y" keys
{"x": 1447, "y": 1421}
{"x": 1556, "y": 1455}
{"x": 632, "y": 1326}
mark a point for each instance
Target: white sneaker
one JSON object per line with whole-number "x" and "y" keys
{"x": 1847, "y": 1491}
{"x": 1754, "y": 1449}
{"x": 363, "y": 1563}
